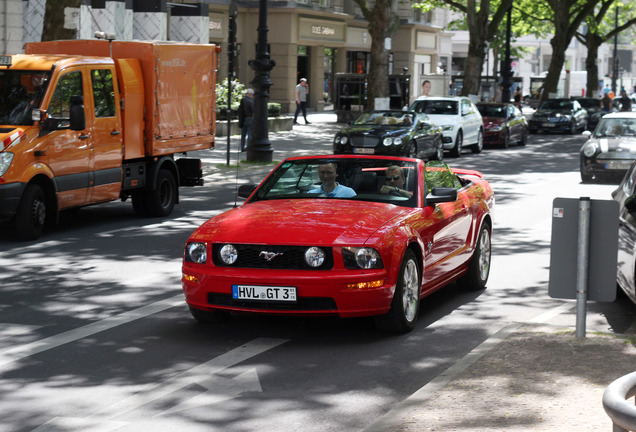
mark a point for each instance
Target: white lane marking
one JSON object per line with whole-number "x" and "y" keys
{"x": 129, "y": 409}
{"x": 22, "y": 351}
{"x": 544, "y": 317}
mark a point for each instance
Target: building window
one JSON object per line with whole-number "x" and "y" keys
{"x": 325, "y": 3}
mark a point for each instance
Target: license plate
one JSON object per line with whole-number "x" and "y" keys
{"x": 548, "y": 124}
{"x": 363, "y": 150}
{"x": 265, "y": 293}
{"x": 618, "y": 165}
{"x": 5, "y": 60}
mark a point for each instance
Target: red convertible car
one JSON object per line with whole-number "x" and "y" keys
{"x": 343, "y": 235}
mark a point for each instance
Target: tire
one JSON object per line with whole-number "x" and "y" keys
{"x": 479, "y": 267}
{"x": 506, "y": 140}
{"x": 215, "y": 316}
{"x": 139, "y": 203}
{"x": 411, "y": 150}
{"x": 406, "y": 300}
{"x": 31, "y": 213}
{"x": 161, "y": 201}
{"x": 439, "y": 152}
{"x": 456, "y": 151}
{"x": 479, "y": 145}
{"x": 524, "y": 138}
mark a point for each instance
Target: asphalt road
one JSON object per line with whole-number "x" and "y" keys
{"x": 95, "y": 334}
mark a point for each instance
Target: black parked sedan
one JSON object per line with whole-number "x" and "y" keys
{"x": 625, "y": 195}
{"x": 593, "y": 108}
{"x": 610, "y": 150}
{"x": 559, "y": 115}
{"x": 395, "y": 133}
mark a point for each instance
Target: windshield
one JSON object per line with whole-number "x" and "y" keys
{"x": 590, "y": 103}
{"x": 436, "y": 107}
{"x": 353, "y": 179}
{"x": 21, "y": 92}
{"x": 558, "y": 105}
{"x": 616, "y": 127}
{"x": 492, "y": 110}
{"x": 391, "y": 118}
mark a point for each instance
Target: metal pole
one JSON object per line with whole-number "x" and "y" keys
{"x": 231, "y": 53}
{"x": 260, "y": 148}
{"x": 506, "y": 70}
{"x": 583, "y": 246}
{"x": 615, "y": 59}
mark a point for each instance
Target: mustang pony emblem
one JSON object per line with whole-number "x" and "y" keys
{"x": 269, "y": 255}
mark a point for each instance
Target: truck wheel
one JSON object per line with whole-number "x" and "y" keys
{"x": 139, "y": 204}
{"x": 31, "y": 213}
{"x": 160, "y": 201}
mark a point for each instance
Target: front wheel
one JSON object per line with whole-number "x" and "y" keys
{"x": 406, "y": 299}
{"x": 31, "y": 214}
{"x": 459, "y": 142}
{"x": 479, "y": 146}
{"x": 439, "y": 151}
{"x": 479, "y": 267}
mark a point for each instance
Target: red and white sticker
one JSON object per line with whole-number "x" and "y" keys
{"x": 15, "y": 136}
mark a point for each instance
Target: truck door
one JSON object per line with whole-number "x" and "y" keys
{"x": 67, "y": 151}
{"x": 106, "y": 151}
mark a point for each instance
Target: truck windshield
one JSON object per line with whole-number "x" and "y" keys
{"x": 20, "y": 92}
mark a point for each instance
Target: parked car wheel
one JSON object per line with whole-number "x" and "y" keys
{"x": 523, "y": 140}
{"x": 479, "y": 146}
{"x": 439, "y": 152}
{"x": 506, "y": 140}
{"x": 406, "y": 299}
{"x": 459, "y": 142}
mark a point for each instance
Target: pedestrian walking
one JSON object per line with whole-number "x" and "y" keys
{"x": 302, "y": 90}
{"x": 245, "y": 114}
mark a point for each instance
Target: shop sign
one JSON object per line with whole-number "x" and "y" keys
{"x": 217, "y": 24}
{"x": 322, "y": 30}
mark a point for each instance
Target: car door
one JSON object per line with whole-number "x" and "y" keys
{"x": 448, "y": 239}
{"x": 627, "y": 237}
{"x": 470, "y": 121}
{"x": 424, "y": 132}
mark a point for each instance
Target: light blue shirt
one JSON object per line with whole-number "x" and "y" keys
{"x": 339, "y": 192}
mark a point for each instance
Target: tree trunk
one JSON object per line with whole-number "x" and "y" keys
{"x": 592, "y": 42}
{"x": 53, "y": 28}
{"x": 378, "y": 73}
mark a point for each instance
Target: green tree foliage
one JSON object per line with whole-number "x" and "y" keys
{"x": 483, "y": 20}
{"x": 601, "y": 27}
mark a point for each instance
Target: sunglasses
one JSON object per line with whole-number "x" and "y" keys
{"x": 397, "y": 177}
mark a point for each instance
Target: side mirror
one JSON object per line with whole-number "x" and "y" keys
{"x": 245, "y": 190}
{"x": 77, "y": 115}
{"x": 440, "y": 195}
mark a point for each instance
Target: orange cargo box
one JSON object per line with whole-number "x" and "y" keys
{"x": 179, "y": 85}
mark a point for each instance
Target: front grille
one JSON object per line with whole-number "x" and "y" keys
{"x": 364, "y": 141}
{"x": 288, "y": 258}
{"x": 303, "y": 304}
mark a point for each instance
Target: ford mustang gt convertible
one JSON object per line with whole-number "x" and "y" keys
{"x": 343, "y": 235}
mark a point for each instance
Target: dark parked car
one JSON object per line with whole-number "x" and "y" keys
{"x": 503, "y": 123}
{"x": 394, "y": 133}
{"x": 611, "y": 149}
{"x": 593, "y": 108}
{"x": 559, "y": 115}
{"x": 625, "y": 195}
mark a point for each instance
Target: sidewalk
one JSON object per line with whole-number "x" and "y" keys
{"x": 535, "y": 376}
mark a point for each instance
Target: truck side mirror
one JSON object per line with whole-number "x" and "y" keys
{"x": 77, "y": 115}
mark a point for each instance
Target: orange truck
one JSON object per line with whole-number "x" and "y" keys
{"x": 91, "y": 121}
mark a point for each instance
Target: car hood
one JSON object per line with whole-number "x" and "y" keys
{"x": 443, "y": 119}
{"x": 299, "y": 221}
{"x": 623, "y": 144}
{"x": 374, "y": 130}
{"x": 552, "y": 112}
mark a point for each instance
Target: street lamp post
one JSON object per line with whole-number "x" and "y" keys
{"x": 260, "y": 148}
{"x": 615, "y": 59}
{"x": 506, "y": 71}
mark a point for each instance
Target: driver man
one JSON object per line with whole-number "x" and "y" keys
{"x": 394, "y": 183}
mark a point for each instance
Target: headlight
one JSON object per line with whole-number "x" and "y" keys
{"x": 196, "y": 252}
{"x": 361, "y": 257}
{"x": 336, "y": 140}
{"x": 228, "y": 254}
{"x": 5, "y": 162}
{"x": 387, "y": 141}
{"x": 590, "y": 149}
{"x": 496, "y": 128}
{"x": 344, "y": 140}
{"x": 397, "y": 141}
{"x": 448, "y": 127}
{"x": 314, "y": 256}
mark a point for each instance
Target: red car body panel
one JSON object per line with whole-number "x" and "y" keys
{"x": 442, "y": 235}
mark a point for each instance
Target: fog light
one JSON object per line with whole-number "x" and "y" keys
{"x": 364, "y": 285}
